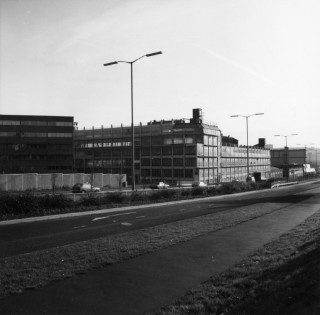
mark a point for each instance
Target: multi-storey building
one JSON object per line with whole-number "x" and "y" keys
{"x": 173, "y": 151}
{"x": 234, "y": 163}
{"x": 36, "y": 144}
{"x": 302, "y": 155}
{"x": 176, "y": 151}
{"x": 290, "y": 158}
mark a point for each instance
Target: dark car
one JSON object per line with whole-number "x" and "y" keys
{"x": 86, "y": 187}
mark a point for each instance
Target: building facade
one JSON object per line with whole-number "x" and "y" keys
{"x": 302, "y": 161}
{"x": 41, "y": 144}
{"x": 179, "y": 151}
{"x": 305, "y": 155}
{"x": 234, "y": 163}
{"x": 174, "y": 151}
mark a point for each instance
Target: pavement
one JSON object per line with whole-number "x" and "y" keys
{"x": 147, "y": 282}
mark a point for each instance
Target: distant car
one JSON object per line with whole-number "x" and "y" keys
{"x": 161, "y": 185}
{"x": 85, "y": 187}
{"x": 199, "y": 184}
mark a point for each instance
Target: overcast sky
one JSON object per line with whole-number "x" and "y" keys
{"x": 226, "y": 57}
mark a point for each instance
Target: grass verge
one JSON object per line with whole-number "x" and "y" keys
{"x": 29, "y": 271}
{"x": 281, "y": 278}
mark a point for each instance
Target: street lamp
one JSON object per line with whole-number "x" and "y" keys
{"x": 286, "y": 136}
{"x": 132, "y": 127}
{"x": 286, "y": 149}
{"x": 247, "y": 117}
{"x": 316, "y": 151}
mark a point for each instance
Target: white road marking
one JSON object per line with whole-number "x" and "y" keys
{"x": 79, "y": 227}
{"x": 141, "y": 216}
{"x": 109, "y": 216}
{"x": 126, "y": 223}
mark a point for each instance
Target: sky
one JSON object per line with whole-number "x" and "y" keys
{"x": 228, "y": 57}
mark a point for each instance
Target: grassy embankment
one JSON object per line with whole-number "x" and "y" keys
{"x": 281, "y": 278}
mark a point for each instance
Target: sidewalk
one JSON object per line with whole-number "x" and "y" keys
{"x": 146, "y": 283}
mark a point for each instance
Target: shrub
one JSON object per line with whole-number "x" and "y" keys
{"x": 157, "y": 195}
{"x": 89, "y": 201}
{"x": 198, "y": 191}
{"x": 115, "y": 198}
{"x": 232, "y": 187}
{"x": 55, "y": 202}
{"x": 19, "y": 204}
{"x": 185, "y": 192}
{"x": 137, "y": 197}
{"x": 213, "y": 190}
{"x": 168, "y": 193}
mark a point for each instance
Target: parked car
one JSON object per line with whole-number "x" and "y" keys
{"x": 85, "y": 187}
{"x": 199, "y": 184}
{"x": 161, "y": 185}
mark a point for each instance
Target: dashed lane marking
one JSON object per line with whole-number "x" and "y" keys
{"x": 141, "y": 216}
{"x": 79, "y": 227}
{"x": 126, "y": 223}
{"x": 109, "y": 216}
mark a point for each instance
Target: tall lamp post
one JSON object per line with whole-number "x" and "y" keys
{"x": 286, "y": 151}
{"x": 316, "y": 151}
{"x": 286, "y": 136}
{"x": 247, "y": 117}
{"x": 132, "y": 127}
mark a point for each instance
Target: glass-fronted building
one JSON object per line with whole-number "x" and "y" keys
{"x": 234, "y": 163}
{"x": 39, "y": 144}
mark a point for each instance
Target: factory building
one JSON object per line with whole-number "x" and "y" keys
{"x": 177, "y": 151}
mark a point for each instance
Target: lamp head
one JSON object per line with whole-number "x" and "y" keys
{"x": 110, "y": 63}
{"x": 153, "y": 54}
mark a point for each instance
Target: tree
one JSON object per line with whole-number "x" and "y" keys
{"x": 120, "y": 178}
{"x": 53, "y": 181}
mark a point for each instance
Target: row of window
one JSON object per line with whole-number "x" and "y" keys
{"x": 189, "y": 162}
{"x": 103, "y": 144}
{"x": 36, "y": 134}
{"x": 153, "y": 151}
{"x": 169, "y": 150}
{"x": 36, "y": 157}
{"x": 34, "y": 146}
{"x": 167, "y": 173}
{"x": 207, "y": 162}
{"x": 35, "y": 123}
{"x": 241, "y": 151}
{"x": 243, "y": 170}
{"x": 144, "y": 141}
{"x": 243, "y": 161}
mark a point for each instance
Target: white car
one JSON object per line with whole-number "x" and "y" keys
{"x": 162, "y": 185}
{"x": 199, "y": 184}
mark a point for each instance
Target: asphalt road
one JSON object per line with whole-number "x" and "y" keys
{"x": 27, "y": 237}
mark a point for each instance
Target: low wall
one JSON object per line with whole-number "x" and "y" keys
{"x": 34, "y": 181}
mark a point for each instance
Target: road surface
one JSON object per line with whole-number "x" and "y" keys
{"x": 31, "y": 236}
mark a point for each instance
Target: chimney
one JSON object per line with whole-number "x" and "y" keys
{"x": 197, "y": 115}
{"x": 262, "y": 142}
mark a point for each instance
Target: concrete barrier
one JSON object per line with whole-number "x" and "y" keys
{"x": 34, "y": 181}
